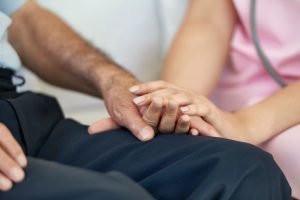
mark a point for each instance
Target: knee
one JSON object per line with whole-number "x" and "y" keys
{"x": 256, "y": 166}
{"x": 246, "y": 156}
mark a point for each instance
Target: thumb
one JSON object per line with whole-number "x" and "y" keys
{"x": 102, "y": 125}
{"x": 138, "y": 127}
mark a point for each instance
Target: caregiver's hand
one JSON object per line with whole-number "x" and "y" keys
{"x": 216, "y": 122}
{"x": 123, "y": 112}
{"x": 12, "y": 160}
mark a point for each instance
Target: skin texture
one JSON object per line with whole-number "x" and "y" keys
{"x": 50, "y": 49}
{"x": 12, "y": 160}
{"x": 198, "y": 54}
{"x": 255, "y": 124}
{"x": 201, "y": 46}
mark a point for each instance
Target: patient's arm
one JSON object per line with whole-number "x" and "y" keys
{"x": 201, "y": 46}
{"x": 49, "y": 48}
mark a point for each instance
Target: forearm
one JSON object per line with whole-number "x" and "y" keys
{"x": 200, "y": 49}
{"x": 49, "y": 48}
{"x": 275, "y": 114}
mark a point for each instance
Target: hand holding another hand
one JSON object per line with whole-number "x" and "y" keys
{"x": 122, "y": 110}
{"x": 168, "y": 108}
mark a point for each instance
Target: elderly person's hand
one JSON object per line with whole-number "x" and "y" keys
{"x": 12, "y": 160}
{"x": 123, "y": 112}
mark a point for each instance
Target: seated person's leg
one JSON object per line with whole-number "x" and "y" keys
{"x": 169, "y": 167}
{"x": 48, "y": 181}
{"x": 172, "y": 166}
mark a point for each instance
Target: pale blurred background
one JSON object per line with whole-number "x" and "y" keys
{"x": 135, "y": 33}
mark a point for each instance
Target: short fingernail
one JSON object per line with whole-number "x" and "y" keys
{"x": 146, "y": 134}
{"x": 22, "y": 160}
{"x": 134, "y": 89}
{"x": 186, "y": 118}
{"x": 184, "y": 109}
{"x": 194, "y": 132}
{"x": 5, "y": 184}
{"x": 139, "y": 100}
{"x": 17, "y": 174}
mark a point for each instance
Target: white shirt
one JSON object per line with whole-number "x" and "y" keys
{"x": 8, "y": 56}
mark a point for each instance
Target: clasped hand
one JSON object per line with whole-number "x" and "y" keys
{"x": 168, "y": 108}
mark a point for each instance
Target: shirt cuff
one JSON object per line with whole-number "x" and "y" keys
{"x": 10, "y": 6}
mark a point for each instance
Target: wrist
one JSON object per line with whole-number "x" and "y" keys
{"x": 254, "y": 130}
{"x": 106, "y": 78}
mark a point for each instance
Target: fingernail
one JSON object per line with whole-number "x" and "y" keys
{"x": 22, "y": 160}
{"x": 194, "y": 132}
{"x": 184, "y": 109}
{"x": 5, "y": 184}
{"x": 186, "y": 118}
{"x": 134, "y": 89}
{"x": 146, "y": 134}
{"x": 139, "y": 100}
{"x": 17, "y": 174}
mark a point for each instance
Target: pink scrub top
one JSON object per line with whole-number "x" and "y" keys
{"x": 245, "y": 81}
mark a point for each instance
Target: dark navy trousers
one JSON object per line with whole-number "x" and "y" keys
{"x": 67, "y": 163}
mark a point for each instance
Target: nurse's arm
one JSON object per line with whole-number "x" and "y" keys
{"x": 275, "y": 114}
{"x": 200, "y": 49}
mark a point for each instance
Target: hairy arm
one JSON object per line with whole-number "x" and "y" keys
{"x": 53, "y": 51}
{"x": 200, "y": 49}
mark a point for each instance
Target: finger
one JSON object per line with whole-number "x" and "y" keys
{"x": 152, "y": 115}
{"x": 102, "y": 125}
{"x": 150, "y": 87}
{"x": 196, "y": 109}
{"x": 183, "y": 124}
{"x": 10, "y": 145}
{"x": 143, "y": 109}
{"x": 10, "y": 168}
{"x": 194, "y": 132}
{"x": 147, "y": 98}
{"x": 168, "y": 119}
{"x": 203, "y": 127}
{"x": 181, "y": 98}
{"x": 5, "y": 183}
{"x": 130, "y": 118}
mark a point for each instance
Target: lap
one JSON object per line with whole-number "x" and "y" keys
{"x": 46, "y": 180}
{"x": 169, "y": 167}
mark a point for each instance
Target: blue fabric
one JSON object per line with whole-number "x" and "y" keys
{"x": 68, "y": 163}
{"x": 10, "y": 6}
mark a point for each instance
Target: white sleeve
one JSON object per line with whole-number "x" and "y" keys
{"x": 10, "y": 6}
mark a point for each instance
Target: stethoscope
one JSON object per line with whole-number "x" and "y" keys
{"x": 265, "y": 61}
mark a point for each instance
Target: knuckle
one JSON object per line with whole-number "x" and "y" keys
{"x": 151, "y": 123}
{"x": 172, "y": 104}
{"x": 149, "y": 119}
{"x": 16, "y": 151}
{"x": 166, "y": 127}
